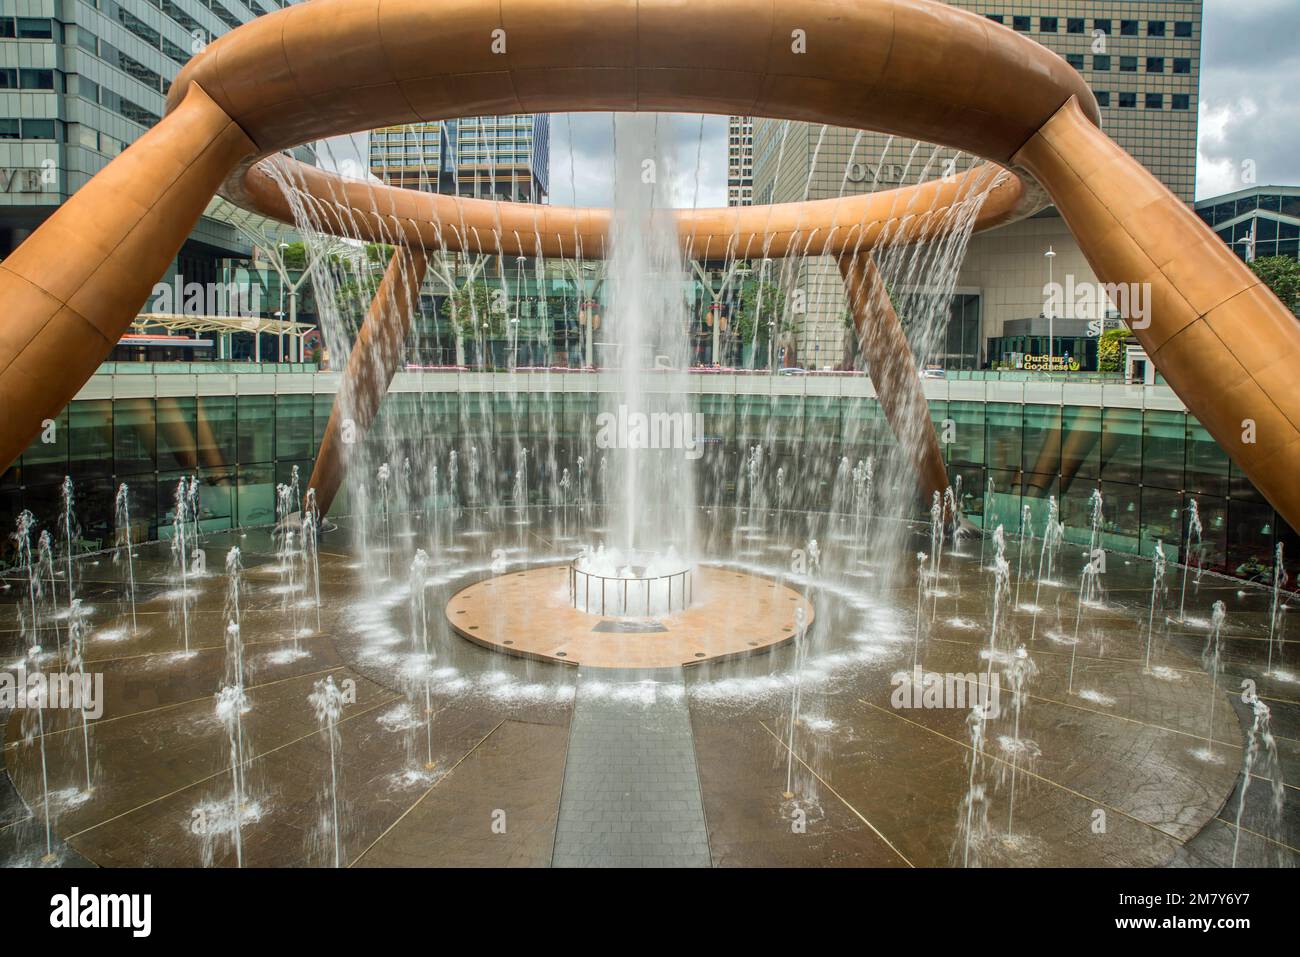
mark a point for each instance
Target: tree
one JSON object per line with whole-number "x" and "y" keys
{"x": 349, "y": 297}
{"x": 1282, "y": 275}
{"x": 472, "y": 305}
{"x": 295, "y": 256}
{"x": 759, "y": 303}
{"x": 379, "y": 254}
{"x": 1110, "y": 354}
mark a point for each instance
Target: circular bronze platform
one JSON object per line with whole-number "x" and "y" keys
{"x": 528, "y": 613}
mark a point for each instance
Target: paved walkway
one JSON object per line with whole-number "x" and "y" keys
{"x": 631, "y": 789}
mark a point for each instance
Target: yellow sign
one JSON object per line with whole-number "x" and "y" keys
{"x": 1051, "y": 364}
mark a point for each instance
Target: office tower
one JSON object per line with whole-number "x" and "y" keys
{"x": 1142, "y": 60}
{"x": 502, "y": 157}
{"x": 740, "y": 160}
{"x": 79, "y": 86}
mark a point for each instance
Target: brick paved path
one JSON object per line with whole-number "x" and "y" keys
{"x": 631, "y": 790}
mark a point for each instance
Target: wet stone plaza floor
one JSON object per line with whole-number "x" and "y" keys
{"x": 444, "y": 751}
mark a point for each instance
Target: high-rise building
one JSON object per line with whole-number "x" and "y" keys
{"x": 415, "y": 156}
{"x": 79, "y": 82}
{"x": 1140, "y": 57}
{"x": 1142, "y": 60}
{"x": 740, "y": 161}
{"x": 499, "y": 157}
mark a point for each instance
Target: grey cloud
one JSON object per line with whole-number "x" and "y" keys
{"x": 582, "y": 158}
{"x": 1249, "y": 56}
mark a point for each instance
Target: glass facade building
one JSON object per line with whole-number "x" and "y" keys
{"x": 1012, "y": 443}
{"x": 79, "y": 82}
{"x": 416, "y": 156}
{"x": 490, "y": 157}
{"x": 1258, "y": 222}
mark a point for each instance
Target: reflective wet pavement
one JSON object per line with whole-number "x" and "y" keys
{"x": 524, "y": 752}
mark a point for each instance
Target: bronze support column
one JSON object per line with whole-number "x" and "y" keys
{"x": 72, "y": 288}
{"x": 374, "y": 360}
{"x": 893, "y": 370}
{"x": 1225, "y": 344}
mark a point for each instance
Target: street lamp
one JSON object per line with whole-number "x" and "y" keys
{"x": 588, "y": 307}
{"x": 284, "y": 278}
{"x": 519, "y": 305}
{"x": 1249, "y": 242}
{"x": 771, "y": 345}
{"x": 1051, "y": 324}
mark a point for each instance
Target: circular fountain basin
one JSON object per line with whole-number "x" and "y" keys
{"x": 531, "y": 614}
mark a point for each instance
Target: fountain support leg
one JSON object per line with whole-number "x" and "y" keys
{"x": 375, "y": 357}
{"x": 1225, "y": 344}
{"x": 893, "y": 370}
{"x": 74, "y": 286}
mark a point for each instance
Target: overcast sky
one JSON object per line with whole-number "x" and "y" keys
{"x": 582, "y": 150}
{"x": 1250, "y": 94}
{"x": 1250, "y": 111}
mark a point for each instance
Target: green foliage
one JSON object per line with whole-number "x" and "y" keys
{"x": 294, "y": 256}
{"x": 1110, "y": 351}
{"x": 900, "y": 302}
{"x": 378, "y": 253}
{"x": 1282, "y": 275}
{"x": 472, "y": 305}
{"x": 758, "y": 304}
{"x": 349, "y": 296}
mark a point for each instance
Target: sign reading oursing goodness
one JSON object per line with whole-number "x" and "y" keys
{"x": 1051, "y": 364}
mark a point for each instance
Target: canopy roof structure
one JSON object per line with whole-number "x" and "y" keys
{"x": 145, "y": 322}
